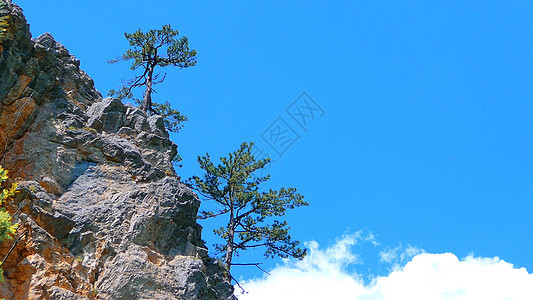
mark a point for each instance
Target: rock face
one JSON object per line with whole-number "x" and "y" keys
{"x": 102, "y": 213}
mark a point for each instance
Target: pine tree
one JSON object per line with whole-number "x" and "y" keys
{"x": 253, "y": 215}
{"x": 149, "y": 50}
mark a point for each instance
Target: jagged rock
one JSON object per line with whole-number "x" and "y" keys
{"x": 106, "y": 115}
{"x": 62, "y": 294}
{"x": 103, "y": 213}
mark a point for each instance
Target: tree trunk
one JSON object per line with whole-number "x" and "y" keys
{"x": 229, "y": 248}
{"x": 147, "y": 103}
{"x": 231, "y": 235}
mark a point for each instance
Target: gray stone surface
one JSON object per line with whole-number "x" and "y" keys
{"x": 58, "y": 293}
{"x": 96, "y": 177}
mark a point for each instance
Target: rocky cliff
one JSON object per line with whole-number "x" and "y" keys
{"x": 102, "y": 213}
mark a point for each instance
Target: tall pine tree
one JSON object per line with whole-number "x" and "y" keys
{"x": 254, "y": 216}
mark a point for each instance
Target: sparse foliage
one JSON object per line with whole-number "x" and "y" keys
{"x": 7, "y": 228}
{"x": 4, "y": 21}
{"x": 173, "y": 118}
{"x": 253, "y": 215}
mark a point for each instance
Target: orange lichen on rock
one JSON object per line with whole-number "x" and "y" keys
{"x": 17, "y": 117}
{"x": 3, "y": 140}
{"x": 36, "y": 267}
{"x": 17, "y": 90}
{"x": 18, "y": 167}
{"x": 51, "y": 186}
{"x": 154, "y": 257}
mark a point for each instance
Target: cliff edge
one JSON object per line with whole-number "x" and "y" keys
{"x": 102, "y": 213}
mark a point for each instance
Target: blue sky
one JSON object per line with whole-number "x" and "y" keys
{"x": 426, "y": 136}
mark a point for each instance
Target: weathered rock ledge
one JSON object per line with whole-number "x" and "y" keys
{"x": 103, "y": 213}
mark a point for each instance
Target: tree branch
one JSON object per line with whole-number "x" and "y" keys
{"x": 135, "y": 80}
{"x": 17, "y": 240}
{"x": 258, "y": 245}
{"x": 252, "y": 264}
{"x": 214, "y": 215}
{"x": 238, "y": 284}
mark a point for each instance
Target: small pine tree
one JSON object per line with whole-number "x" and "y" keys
{"x": 150, "y": 50}
{"x": 7, "y": 228}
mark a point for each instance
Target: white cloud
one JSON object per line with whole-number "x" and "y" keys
{"x": 424, "y": 276}
{"x": 398, "y": 256}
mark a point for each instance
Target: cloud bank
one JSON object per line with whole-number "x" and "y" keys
{"x": 415, "y": 275}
